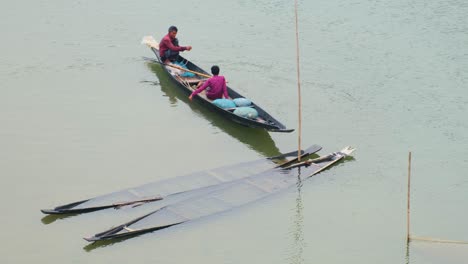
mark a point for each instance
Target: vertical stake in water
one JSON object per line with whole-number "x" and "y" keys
{"x": 408, "y": 202}
{"x": 408, "y": 236}
{"x": 298, "y": 84}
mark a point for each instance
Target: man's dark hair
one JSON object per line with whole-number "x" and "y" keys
{"x": 172, "y": 28}
{"x": 215, "y": 70}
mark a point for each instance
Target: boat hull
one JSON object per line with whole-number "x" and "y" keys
{"x": 223, "y": 197}
{"x": 267, "y": 121}
{"x": 174, "y": 189}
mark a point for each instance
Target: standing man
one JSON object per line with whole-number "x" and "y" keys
{"x": 169, "y": 46}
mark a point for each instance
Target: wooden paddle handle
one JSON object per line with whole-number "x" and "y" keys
{"x": 187, "y": 70}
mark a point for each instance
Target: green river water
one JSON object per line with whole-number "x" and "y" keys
{"x": 83, "y": 114}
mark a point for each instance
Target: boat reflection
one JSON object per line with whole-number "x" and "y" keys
{"x": 258, "y": 140}
{"x": 103, "y": 244}
{"x": 49, "y": 219}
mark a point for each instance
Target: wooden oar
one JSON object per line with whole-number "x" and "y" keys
{"x": 183, "y": 69}
{"x": 152, "y": 43}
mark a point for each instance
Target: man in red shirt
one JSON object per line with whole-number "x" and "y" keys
{"x": 215, "y": 86}
{"x": 169, "y": 46}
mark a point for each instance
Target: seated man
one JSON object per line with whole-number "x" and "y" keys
{"x": 215, "y": 86}
{"x": 169, "y": 46}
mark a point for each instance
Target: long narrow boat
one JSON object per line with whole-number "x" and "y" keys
{"x": 188, "y": 83}
{"x": 174, "y": 189}
{"x": 222, "y": 197}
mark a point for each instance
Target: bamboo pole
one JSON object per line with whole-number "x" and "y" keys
{"x": 427, "y": 239}
{"x": 298, "y": 84}
{"x": 408, "y": 200}
{"x": 436, "y": 240}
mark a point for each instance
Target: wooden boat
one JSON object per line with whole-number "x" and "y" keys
{"x": 222, "y": 197}
{"x": 259, "y": 140}
{"x": 175, "y": 189}
{"x": 188, "y": 84}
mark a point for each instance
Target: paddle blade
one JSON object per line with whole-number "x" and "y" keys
{"x": 150, "y": 42}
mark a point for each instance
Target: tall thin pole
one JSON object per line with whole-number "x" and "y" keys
{"x": 408, "y": 204}
{"x": 412, "y": 238}
{"x": 298, "y": 85}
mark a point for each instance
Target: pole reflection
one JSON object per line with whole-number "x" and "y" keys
{"x": 298, "y": 244}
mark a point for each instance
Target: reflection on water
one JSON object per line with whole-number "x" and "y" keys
{"x": 105, "y": 243}
{"x": 298, "y": 243}
{"x": 256, "y": 139}
{"x": 407, "y": 252}
{"x": 297, "y": 228}
{"x": 49, "y": 219}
